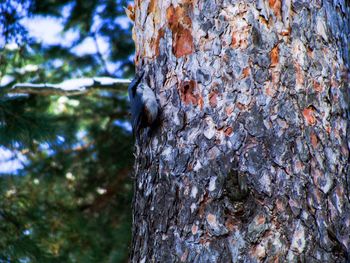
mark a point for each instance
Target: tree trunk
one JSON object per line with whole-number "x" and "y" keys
{"x": 249, "y": 162}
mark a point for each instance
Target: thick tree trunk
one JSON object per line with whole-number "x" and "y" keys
{"x": 250, "y": 159}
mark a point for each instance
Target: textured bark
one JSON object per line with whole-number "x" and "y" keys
{"x": 250, "y": 159}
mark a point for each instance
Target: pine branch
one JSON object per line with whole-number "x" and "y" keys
{"x": 71, "y": 87}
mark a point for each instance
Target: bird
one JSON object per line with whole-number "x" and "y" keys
{"x": 143, "y": 104}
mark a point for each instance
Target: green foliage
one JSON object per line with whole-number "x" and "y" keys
{"x": 71, "y": 202}
{"x": 23, "y": 121}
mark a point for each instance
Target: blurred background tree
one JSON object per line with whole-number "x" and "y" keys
{"x": 65, "y": 162}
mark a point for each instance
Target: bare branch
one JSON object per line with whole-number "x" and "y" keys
{"x": 71, "y": 87}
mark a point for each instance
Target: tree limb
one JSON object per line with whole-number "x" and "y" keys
{"x": 71, "y": 87}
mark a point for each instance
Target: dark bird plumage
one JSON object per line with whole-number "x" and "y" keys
{"x": 143, "y": 104}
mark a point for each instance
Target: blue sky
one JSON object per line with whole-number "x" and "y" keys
{"x": 11, "y": 161}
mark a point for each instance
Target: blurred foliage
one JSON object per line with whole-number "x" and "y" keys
{"x": 11, "y": 12}
{"x": 71, "y": 201}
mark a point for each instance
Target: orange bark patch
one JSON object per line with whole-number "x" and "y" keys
{"x": 317, "y": 86}
{"x": 152, "y": 6}
{"x": 275, "y": 5}
{"x": 258, "y": 251}
{"x": 190, "y": 167}
{"x": 263, "y": 21}
{"x": 188, "y": 2}
{"x": 274, "y": 55}
{"x": 309, "y": 115}
{"x": 314, "y": 140}
{"x": 234, "y": 40}
{"x": 245, "y": 72}
{"x": 299, "y": 75}
{"x": 181, "y": 26}
{"x": 241, "y": 30}
{"x": 229, "y": 110}
{"x": 286, "y": 32}
{"x": 183, "y": 43}
{"x": 170, "y": 16}
{"x": 130, "y": 12}
{"x": 200, "y": 102}
{"x": 230, "y": 224}
{"x": 269, "y": 89}
{"x": 239, "y": 39}
{"x": 228, "y": 131}
{"x": 213, "y": 98}
{"x": 203, "y": 203}
{"x": 187, "y": 92}
{"x": 211, "y": 219}
{"x": 340, "y": 191}
{"x": 310, "y": 52}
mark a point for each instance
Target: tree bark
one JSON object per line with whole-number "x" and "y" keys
{"x": 249, "y": 162}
